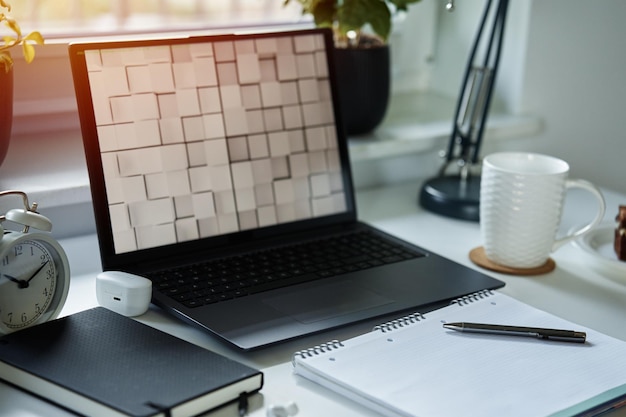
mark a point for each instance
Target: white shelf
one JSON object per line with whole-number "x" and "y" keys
{"x": 422, "y": 122}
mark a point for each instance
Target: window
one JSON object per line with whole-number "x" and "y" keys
{"x": 73, "y": 17}
{"x": 52, "y": 104}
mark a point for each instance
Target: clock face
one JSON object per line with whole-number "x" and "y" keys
{"x": 28, "y": 283}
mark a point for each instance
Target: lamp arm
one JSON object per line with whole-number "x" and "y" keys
{"x": 498, "y": 27}
{"x": 476, "y": 92}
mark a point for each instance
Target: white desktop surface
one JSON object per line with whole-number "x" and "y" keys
{"x": 575, "y": 291}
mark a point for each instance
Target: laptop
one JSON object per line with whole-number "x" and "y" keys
{"x": 221, "y": 159}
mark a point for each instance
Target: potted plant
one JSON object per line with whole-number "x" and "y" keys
{"x": 362, "y": 60}
{"x": 13, "y": 39}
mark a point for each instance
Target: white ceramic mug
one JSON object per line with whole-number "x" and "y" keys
{"x": 521, "y": 200}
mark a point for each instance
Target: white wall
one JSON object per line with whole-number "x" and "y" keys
{"x": 565, "y": 60}
{"x": 576, "y": 79}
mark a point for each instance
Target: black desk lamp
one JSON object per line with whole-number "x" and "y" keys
{"x": 458, "y": 195}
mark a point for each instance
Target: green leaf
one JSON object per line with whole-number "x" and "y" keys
{"x": 356, "y": 13}
{"x": 403, "y": 5}
{"x": 381, "y": 20}
{"x": 323, "y": 12}
{"x": 352, "y": 15}
{"x": 347, "y": 15}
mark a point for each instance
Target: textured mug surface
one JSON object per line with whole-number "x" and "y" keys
{"x": 521, "y": 201}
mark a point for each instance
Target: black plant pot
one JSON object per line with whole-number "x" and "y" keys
{"x": 363, "y": 78}
{"x": 6, "y": 110}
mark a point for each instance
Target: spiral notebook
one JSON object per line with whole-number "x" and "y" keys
{"x": 415, "y": 367}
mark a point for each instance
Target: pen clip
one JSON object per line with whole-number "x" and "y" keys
{"x": 563, "y": 335}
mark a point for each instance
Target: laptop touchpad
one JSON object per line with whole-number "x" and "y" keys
{"x": 326, "y": 301}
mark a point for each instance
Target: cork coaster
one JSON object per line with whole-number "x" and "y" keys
{"x": 477, "y": 255}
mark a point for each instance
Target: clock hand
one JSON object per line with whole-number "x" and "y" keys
{"x": 20, "y": 282}
{"x": 17, "y": 281}
{"x": 36, "y": 272}
{"x": 23, "y": 283}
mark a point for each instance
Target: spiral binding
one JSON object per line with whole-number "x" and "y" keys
{"x": 468, "y": 299}
{"x": 318, "y": 350}
{"x": 400, "y": 323}
{"x": 389, "y": 326}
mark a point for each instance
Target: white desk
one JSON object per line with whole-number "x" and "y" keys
{"x": 573, "y": 290}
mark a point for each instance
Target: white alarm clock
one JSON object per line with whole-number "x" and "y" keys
{"x": 34, "y": 270}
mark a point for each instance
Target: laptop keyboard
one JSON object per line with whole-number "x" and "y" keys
{"x": 223, "y": 279}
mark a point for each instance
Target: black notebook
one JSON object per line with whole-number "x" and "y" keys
{"x": 99, "y": 363}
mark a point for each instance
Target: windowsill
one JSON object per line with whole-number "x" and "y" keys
{"x": 421, "y": 122}
{"x": 50, "y": 166}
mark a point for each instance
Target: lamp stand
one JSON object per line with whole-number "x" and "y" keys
{"x": 458, "y": 195}
{"x": 452, "y": 196}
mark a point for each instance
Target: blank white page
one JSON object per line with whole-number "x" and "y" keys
{"x": 422, "y": 369}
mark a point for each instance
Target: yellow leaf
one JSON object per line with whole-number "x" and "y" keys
{"x": 6, "y": 61}
{"x": 35, "y": 37}
{"x": 9, "y": 40}
{"x": 15, "y": 27}
{"x": 29, "y": 52}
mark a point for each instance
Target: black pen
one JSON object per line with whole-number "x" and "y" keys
{"x": 537, "y": 332}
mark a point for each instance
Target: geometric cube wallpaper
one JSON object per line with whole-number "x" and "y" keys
{"x": 203, "y": 139}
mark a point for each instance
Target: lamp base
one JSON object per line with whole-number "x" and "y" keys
{"x": 452, "y": 196}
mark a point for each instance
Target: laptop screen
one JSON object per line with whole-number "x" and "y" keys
{"x": 189, "y": 139}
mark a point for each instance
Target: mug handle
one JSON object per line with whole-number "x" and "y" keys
{"x": 585, "y": 185}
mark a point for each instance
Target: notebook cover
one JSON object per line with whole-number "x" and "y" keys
{"x": 115, "y": 361}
